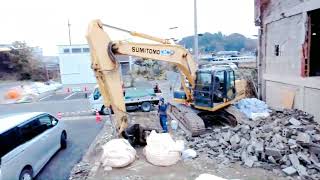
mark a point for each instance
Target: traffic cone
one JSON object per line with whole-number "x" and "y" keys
{"x": 98, "y": 117}
{"x": 59, "y": 115}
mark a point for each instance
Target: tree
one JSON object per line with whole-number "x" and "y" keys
{"x": 218, "y": 42}
{"x": 21, "y": 64}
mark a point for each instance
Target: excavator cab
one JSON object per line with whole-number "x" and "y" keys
{"x": 213, "y": 86}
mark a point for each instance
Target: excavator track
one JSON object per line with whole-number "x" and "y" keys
{"x": 195, "y": 123}
{"x": 189, "y": 121}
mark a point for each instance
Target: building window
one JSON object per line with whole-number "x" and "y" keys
{"x": 314, "y": 43}
{"x": 76, "y": 50}
{"x": 85, "y": 50}
{"x": 66, "y": 50}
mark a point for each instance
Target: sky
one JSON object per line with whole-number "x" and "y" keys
{"x": 44, "y": 23}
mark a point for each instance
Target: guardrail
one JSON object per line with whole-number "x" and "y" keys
{"x": 231, "y": 59}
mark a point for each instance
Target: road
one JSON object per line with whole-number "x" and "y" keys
{"x": 53, "y": 104}
{"x": 81, "y": 132}
{"x": 81, "y": 128}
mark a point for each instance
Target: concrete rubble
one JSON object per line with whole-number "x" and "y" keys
{"x": 287, "y": 142}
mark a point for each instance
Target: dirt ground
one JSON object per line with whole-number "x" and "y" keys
{"x": 141, "y": 169}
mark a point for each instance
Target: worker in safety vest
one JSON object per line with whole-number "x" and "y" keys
{"x": 162, "y": 111}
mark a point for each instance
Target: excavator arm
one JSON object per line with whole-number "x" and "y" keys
{"x": 106, "y": 67}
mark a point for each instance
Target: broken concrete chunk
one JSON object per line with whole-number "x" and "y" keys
{"x": 273, "y": 152}
{"x": 276, "y": 129}
{"x": 250, "y": 149}
{"x": 258, "y": 146}
{"x": 245, "y": 129}
{"x": 294, "y": 160}
{"x": 272, "y": 160}
{"x": 226, "y": 136}
{"x": 316, "y": 137}
{"x": 294, "y": 121}
{"x": 286, "y": 133}
{"x": 282, "y": 146}
{"x": 284, "y": 159}
{"x": 315, "y": 150}
{"x": 235, "y": 139}
{"x": 317, "y": 166}
{"x": 312, "y": 171}
{"x": 314, "y": 159}
{"x": 289, "y": 170}
{"x": 244, "y": 156}
{"x": 302, "y": 171}
{"x": 213, "y": 144}
{"x": 243, "y": 142}
{"x": 304, "y": 138}
{"x": 304, "y": 157}
{"x": 249, "y": 162}
{"x": 292, "y": 142}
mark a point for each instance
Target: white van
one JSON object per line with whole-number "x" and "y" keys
{"x": 27, "y": 142}
{"x": 134, "y": 98}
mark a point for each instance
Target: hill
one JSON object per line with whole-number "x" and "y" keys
{"x": 219, "y": 42}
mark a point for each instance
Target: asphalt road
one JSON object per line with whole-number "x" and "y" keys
{"x": 80, "y": 135}
{"x": 53, "y": 107}
{"x": 65, "y": 96}
{"x": 82, "y": 130}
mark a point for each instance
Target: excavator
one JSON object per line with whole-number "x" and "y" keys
{"x": 205, "y": 92}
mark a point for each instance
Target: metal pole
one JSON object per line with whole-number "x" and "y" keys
{"x": 195, "y": 47}
{"x": 69, "y": 32}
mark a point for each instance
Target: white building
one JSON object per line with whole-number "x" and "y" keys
{"x": 75, "y": 64}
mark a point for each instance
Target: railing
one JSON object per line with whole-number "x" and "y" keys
{"x": 231, "y": 59}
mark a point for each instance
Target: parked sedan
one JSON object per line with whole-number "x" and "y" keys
{"x": 27, "y": 142}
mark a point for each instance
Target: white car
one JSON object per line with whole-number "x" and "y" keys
{"x": 27, "y": 142}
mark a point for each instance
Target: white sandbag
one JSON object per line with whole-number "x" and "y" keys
{"x": 118, "y": 153}
{"x": 161, "y": 150}
{"x": 256, "y": 116}
{"x": 209, "y": 177}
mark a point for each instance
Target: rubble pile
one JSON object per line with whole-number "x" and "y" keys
{"x": 287, "y": 139}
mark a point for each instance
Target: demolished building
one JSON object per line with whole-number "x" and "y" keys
{"x": 289, "y": 64}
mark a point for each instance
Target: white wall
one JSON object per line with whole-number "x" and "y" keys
{"x": 75, "y": 68}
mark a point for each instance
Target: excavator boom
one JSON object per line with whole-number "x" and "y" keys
{"x": 106, "y": 68}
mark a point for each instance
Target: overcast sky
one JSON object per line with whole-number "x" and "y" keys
{"x": 44, "y": 22}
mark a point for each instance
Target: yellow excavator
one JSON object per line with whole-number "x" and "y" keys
{"x": 207, "y": 91}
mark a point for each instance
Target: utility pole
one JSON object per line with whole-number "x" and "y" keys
{"x": 195, "y": 46}
{"x": 69, "y": 26}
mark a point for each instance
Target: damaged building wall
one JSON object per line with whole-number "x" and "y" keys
{"x": 284, "y": 28}
{"x": 286, "y": 34}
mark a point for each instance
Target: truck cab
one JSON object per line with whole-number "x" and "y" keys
{"x": 135, "y": 98}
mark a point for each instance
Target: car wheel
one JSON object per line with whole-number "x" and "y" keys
{"x": 63, "y": 140}
{"x": 105, "y": 111}
{"x": 146, "y": 106}
{"x": 26, "y": 174}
